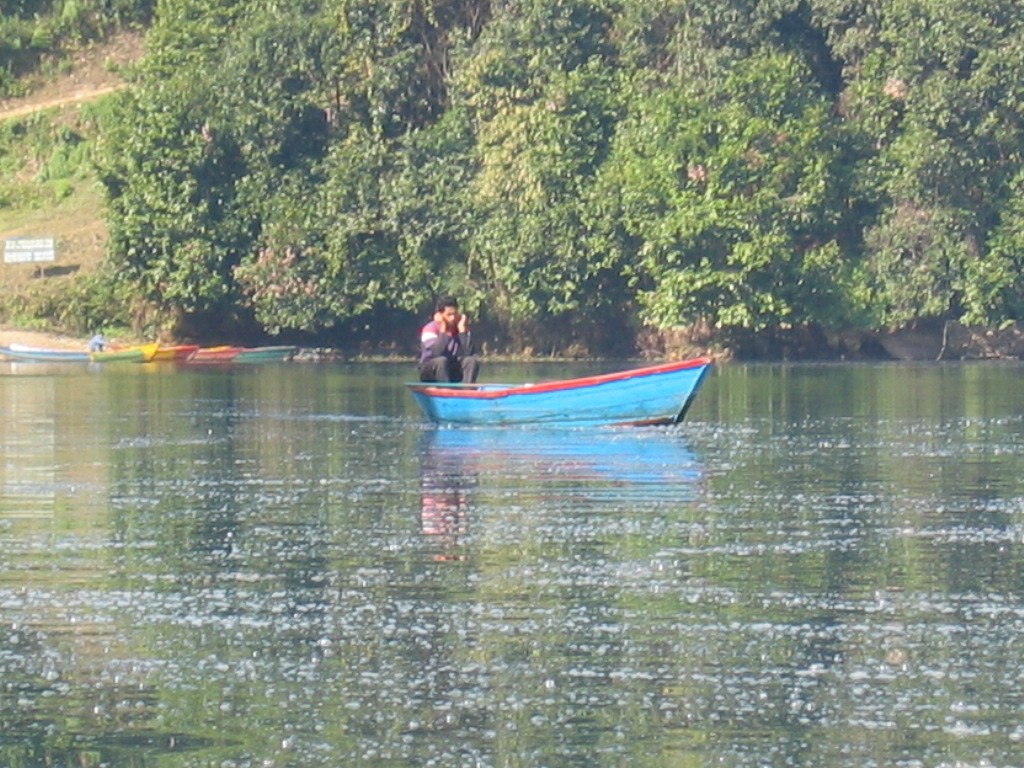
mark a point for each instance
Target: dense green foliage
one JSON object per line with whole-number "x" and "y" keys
{"x": 574, "y": 170}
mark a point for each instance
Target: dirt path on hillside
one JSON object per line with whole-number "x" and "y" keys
{"x": 30, "y": 105}
{"x": 93, "y": 72}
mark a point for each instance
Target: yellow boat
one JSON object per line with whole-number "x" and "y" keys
{"x": 178, "y": 352}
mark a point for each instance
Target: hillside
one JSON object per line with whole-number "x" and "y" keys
{"x": 76, "y": 220}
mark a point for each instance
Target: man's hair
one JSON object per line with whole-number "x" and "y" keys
{"x": 446, "y": 301}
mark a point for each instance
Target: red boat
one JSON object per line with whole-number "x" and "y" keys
{"x": 223, "y": 354}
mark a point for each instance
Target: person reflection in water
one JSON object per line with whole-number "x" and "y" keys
{"x": 444, "y": 498}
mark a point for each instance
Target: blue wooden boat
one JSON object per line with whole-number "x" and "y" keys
{"x": 659, "y": 394}
{"x": 24, "y": 353}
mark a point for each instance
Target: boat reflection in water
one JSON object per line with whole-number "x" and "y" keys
{"x": 549, "y": 471}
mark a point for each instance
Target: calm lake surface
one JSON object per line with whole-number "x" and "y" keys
{"x": 284, "y": 565}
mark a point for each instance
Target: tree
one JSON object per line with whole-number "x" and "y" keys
{"x": 937, "y": 97}
{"x": 544, "y": 117}
{"x": 729, "y": 201}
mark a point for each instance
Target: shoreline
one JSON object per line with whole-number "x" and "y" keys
{"x": 10, "y": 335}
{"x": 950, "y": 342}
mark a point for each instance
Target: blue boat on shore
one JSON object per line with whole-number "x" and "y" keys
{"x": 659, "y": 394}
{"x": 23, "y": 353}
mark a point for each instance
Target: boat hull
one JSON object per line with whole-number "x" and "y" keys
{"x": 222, "y": 354}
{"x": 175, "y": 352}
{"x": 137, "y": 354}
{"x": 229, "y": 354}
{"x": 658, "y": 394}
{"x": 27, "y": 354}
{"x": 265, "y": 354}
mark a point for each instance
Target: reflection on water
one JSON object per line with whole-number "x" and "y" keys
{"x": 29, "y": 451}
{"x": 463, "y": 468}
{"x": 288, "y": 567}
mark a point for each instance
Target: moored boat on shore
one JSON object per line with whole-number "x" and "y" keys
{"x": 24, "y": 353}
{"x": 174, "y": 352}
{"x": 265, "y": 354}
{"x": 141, "y": 353}
{"x": 221, "y": 354}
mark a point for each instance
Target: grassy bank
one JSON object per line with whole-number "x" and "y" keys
{"x": 48, "y": 188}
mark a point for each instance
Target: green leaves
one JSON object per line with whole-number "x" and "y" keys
{"x": 725, "y": 196}
{"x": 574, "y": 168}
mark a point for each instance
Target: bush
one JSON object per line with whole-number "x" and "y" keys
{"x": 74, "y": 307}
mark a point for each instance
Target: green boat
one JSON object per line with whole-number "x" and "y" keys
{"x": 264, "y": 354}
{"x": 137, "y": 354}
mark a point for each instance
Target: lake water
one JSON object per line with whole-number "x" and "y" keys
{"x": 283, "y": 565}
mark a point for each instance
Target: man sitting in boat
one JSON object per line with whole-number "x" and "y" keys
{"x": 446, "y": 346}
{"x": 97, "y": 343}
